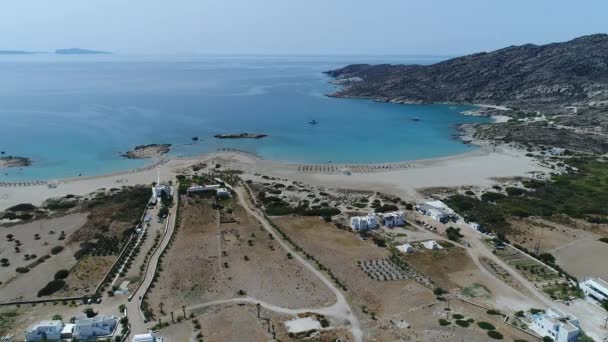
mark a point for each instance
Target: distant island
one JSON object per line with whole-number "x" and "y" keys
{"x": 147, "y": 151}
{"x": 15, "y": 52}
{"x": 240, "y": 136}
{"x": 78, "y": 51}
{"x": 554, "y": 94}
{"x": 13, "y": 161}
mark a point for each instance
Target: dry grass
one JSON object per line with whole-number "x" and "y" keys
{"x": 210, "y": 261}
{"x": 442, "y": 265}
{"x": 87, "y": 274}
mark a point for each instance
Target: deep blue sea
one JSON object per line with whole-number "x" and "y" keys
{"x": 75, "y": 114}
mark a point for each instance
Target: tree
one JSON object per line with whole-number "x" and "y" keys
{"x": 184, "y": 310}
{"x": 547, "y": 339}
{"x": 172, "y": 318}
{"x": 89, "y": 312}
{"x": 438, "y": 291}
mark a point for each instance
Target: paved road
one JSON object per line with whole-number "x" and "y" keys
{"x": 138, "y": 326}
{"x": 340, "y": 310}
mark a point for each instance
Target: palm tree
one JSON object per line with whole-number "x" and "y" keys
{"x": 184, "y": 310}
{"x": 161, "y": 305}
{"x": 172, "y": 320}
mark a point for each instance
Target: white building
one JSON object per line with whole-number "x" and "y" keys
{"x": 557, "y": 325}
{"x": 556, "y": 151}
{"x": 364, "y": 222}
{"x": 67, "y": 331}
{"x": 405, "y": 248}
{"x": 44, "y": 331}
{"x": 89, "y": 328}
{"x": 394, "y": 219}
{"x": 150, "y": 337}
{"x": 595, "y": 288}
{"x": 437, "y": 210}
{"x": 158, "y": 190}
{"x": 432, "y": 245}
{"x": 202, "y": 188}
{"x": 222, "y": 192}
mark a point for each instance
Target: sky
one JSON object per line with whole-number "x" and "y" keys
{"x": 378, "y": 27}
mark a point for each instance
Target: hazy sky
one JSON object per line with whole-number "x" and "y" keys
{"x": 295, "y": 27}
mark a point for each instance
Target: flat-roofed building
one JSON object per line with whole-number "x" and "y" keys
{"x": 393, "y": 219}
{"x": 556, "y": 325}
{"x": 595, "y": 288}
{"x": 358, "y": 223}
{"x": 44, "y": 331}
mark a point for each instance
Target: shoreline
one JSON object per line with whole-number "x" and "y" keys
{"x": 472, "y": 168}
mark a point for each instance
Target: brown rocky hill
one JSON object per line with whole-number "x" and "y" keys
{"x": 528, "y": 75}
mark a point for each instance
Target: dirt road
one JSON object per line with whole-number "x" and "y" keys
{"x": 340, "y": 310}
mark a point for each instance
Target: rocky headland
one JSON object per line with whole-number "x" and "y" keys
{"x": 554, "y": 94}
{"x": 147, "y": 151}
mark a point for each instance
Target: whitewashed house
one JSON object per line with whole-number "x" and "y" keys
{"x": 370, "y": 221}
{"x": 92, "y": 327}
{"x": 595, "y": 288}
{"x": 405, "y": 248}
{"x": 149, "y": 337}
{"x": 393, "y": 219}
{"x": 202, "y": 188}
{"x": 44, "y": 331}
{"x": 556, "y": 325}
{"x": 432, "y": 245}
{"x": 222, "y": 193}
{"x": 437, "y": 210}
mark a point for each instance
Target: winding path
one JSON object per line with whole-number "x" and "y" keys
{"x": 339, "y": 310}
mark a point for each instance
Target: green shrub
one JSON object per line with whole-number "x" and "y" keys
{"x": 495, "y": 335}
{"x": 56, "y": 250}
{"x": 444, "y": 322}
{"x": 492, "y": 196}
{"x": 62, "y": 274}
{"x": 22, "y": 270}
{"x": 463, "y": 323}
{"x": 52, "y": 287}
{"x": 511, "y": 191}
{"x": 486, "y": 326}
{"x": 458, "y": 316}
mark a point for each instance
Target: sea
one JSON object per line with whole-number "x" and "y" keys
{"x": 75, "y": 114}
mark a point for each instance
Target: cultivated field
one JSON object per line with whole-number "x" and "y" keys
{"x": 210, "y": 260}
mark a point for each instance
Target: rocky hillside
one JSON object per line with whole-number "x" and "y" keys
{"x": 529, "y": 75}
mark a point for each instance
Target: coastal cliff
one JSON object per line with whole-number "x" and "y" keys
{"x": 547, "y": 88}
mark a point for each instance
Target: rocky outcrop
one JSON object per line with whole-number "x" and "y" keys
{"x": 543, "y": 134}
{"x": 13, "y": 161}
{"x": 527, "y": 75}
{"x": 240, "y": 136}
{"x": 147, "y": 151}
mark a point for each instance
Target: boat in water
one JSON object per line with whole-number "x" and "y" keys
{"x": 313, "y": 122}
{"x": 415, "y": 119}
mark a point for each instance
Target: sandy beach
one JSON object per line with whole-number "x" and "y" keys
{"x": 475, "y": 168}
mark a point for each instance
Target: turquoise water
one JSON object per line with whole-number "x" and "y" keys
{"x": 75, "y": 114}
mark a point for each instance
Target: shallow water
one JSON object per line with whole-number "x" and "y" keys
{"x": 75, "y": 114}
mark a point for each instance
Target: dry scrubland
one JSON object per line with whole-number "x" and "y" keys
{"x": 386, "y": 307}
{"x": 82, "y": 236}
{"x": 210, "y": 260}
{"x": 15, "y": 285}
